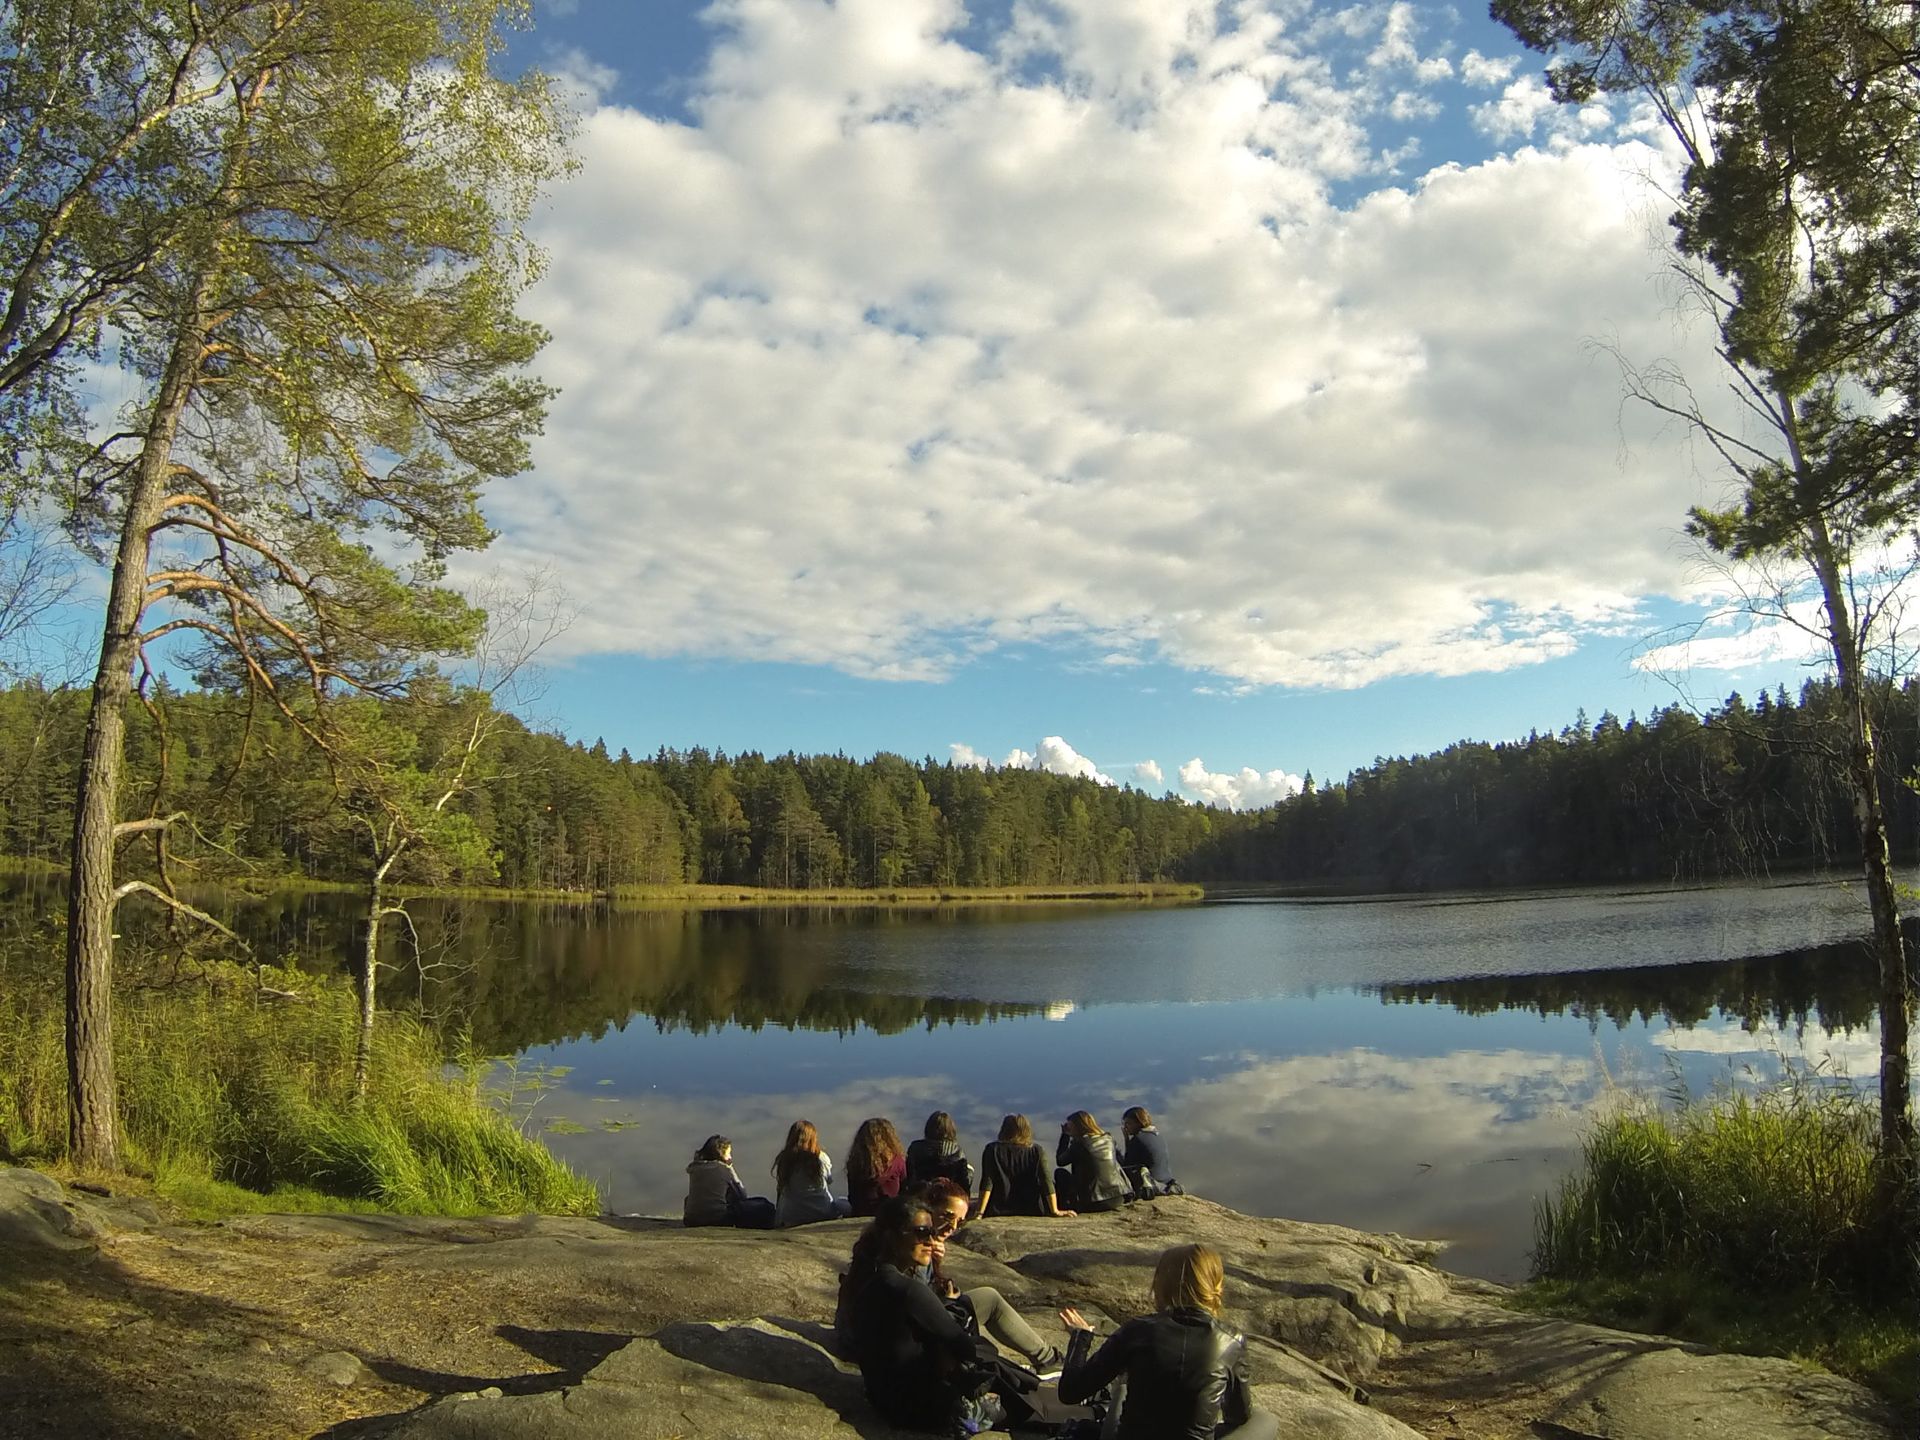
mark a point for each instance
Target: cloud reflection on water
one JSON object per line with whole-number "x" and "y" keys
{"x": 1450, "y": 1145}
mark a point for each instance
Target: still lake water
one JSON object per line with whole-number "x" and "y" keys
{"x": 1414, "y": 1064}
{"x": 1420, "y": 1065}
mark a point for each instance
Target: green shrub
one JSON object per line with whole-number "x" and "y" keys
{"x": 1759, "y": 1191}
{"x": 242, "y": 1080}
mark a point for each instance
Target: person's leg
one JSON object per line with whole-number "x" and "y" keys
{"x": 1260, "y": 1425}
{"x": 1002, "y": 1322}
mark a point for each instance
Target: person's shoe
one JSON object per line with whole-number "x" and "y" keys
{"x": 1048, "y": 1362}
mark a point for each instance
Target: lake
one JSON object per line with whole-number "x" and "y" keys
{"x": 1414, "y": 1064}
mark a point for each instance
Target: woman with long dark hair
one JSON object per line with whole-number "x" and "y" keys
{"x": 918, "y": 1361}
{"x": 876, "y": 1166}
{"x": 1178, "y": 1374}
{"x": 1014, "y": 1179}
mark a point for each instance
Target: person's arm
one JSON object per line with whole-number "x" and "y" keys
{"x": 1046, "y": 1189}
{"x": 1083, "y": 1376}
{"x": 1063, "y": 1152}
{"x": 925, "y": 1312}
{"x": 986, "y": 1183}
{"x": 1236, "y": 1406}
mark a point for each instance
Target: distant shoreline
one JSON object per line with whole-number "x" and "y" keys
{"x": 706, "y": 897}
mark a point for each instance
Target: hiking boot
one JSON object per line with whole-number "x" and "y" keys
{"x": 1048, "y": 1362}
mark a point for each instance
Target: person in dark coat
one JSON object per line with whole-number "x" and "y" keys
{"x": 937, "y": 1155}
{"x": 1178, "y": 1374}
{"x": 1014, "y": 1176}
{"x": 1089, "y": 1174}
{"x": 915, "y": 1357}
{"x": 1144, "y": 1158}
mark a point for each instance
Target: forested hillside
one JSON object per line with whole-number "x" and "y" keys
{"x": 1742, "y": 790}
{"x": 549, "y": 813}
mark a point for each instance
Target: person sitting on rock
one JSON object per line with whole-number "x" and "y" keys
{"x": 803, "y": 1180}
{"x": 1089, "y": 1174}
{"x": 1014, "y": 1178}
{"x": 991, "y": 1313}
{"x": 1178, "y": 1374}
{"x": 1144, "y": 1158}
{"x": 715, "y": 1195}
{"x": 920, "y": 1365}
{"x": 937, "y": 1155}
{"x": 876, "y": 1166}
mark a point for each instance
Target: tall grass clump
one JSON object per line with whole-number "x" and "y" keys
{"x": 247, "y": 1079}
{"x": 1765, "y": 1190}
{"x": 1746, "y": 1220}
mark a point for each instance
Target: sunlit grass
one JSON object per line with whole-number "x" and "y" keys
{"x": 1749, "y": 1221}
{"x": 227, "y": 1087}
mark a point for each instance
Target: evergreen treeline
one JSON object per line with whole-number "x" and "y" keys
{"x": 551, "y": 813}
{"x": 1742, "y": 790}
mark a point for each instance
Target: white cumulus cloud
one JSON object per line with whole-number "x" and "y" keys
{"x": 1055, "y": 756}
{"x": 1249, "y": 789}
{"x": 901, "y": 353}
{"x": 1148, "y": 772}
{"x": 1517, "y": 113}
{"x": 1487, "y": 71}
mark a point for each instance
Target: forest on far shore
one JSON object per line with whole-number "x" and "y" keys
{"x": 1744, "y": 789}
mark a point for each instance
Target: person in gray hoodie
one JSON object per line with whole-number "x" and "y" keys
{"x": 710, "y": 1180}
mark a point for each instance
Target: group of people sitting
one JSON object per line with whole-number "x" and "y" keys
{"x": 1089, "y": 1173}
{"x": 926, "y": 1349}
{"x": 927, "y": 1355}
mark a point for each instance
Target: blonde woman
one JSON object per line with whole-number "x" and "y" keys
{"x": 803, "y": 1180}
{"x": 1178, "y": 1374}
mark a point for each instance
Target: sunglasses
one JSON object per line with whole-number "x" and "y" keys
{"x": 924, "y": 1232}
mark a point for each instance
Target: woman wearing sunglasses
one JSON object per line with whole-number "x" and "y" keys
{"x": 919, "y": 1363}
{"x": 991, "y": 1311}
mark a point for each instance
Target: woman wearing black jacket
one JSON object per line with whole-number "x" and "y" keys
{"x": 916, "y": 1359}
{"x": 1089, "y": 1174}
{"x": 1175, "y": 1375}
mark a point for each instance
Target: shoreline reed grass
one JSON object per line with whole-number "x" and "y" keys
{"x": 236, "y": 1092}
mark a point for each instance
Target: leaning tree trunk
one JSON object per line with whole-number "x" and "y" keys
{"x": 1899, "y": 1171}
{"x": 93, "y": 1129}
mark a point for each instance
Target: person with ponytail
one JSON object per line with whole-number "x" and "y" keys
{"x": 1178, "y": 1374}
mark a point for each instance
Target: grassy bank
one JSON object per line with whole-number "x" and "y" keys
{"x": 715, "y": 897}
{"x": 236, "y": 1094}
{"x": 1745, "y": 1221}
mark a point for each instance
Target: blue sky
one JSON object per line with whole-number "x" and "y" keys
{"x": 1205, "y": 385}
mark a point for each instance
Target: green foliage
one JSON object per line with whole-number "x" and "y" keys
{"x": 227, "y": 1085}
{"x": 1760, "y": 1192}
{"x": 1741, "y": 790}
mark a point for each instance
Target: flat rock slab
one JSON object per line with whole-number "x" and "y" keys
{"x": 638, "y": 1328}
{"x": 1677, "y": 1395}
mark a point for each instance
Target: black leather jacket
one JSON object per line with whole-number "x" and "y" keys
{"x": 1186, "y": 1375}
{"x": 1096, "y": 1173}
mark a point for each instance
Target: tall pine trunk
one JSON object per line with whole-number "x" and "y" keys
{"x": 93, "y": 1126}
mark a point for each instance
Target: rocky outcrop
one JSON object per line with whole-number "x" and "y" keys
{"x": 721, "y": 1333}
